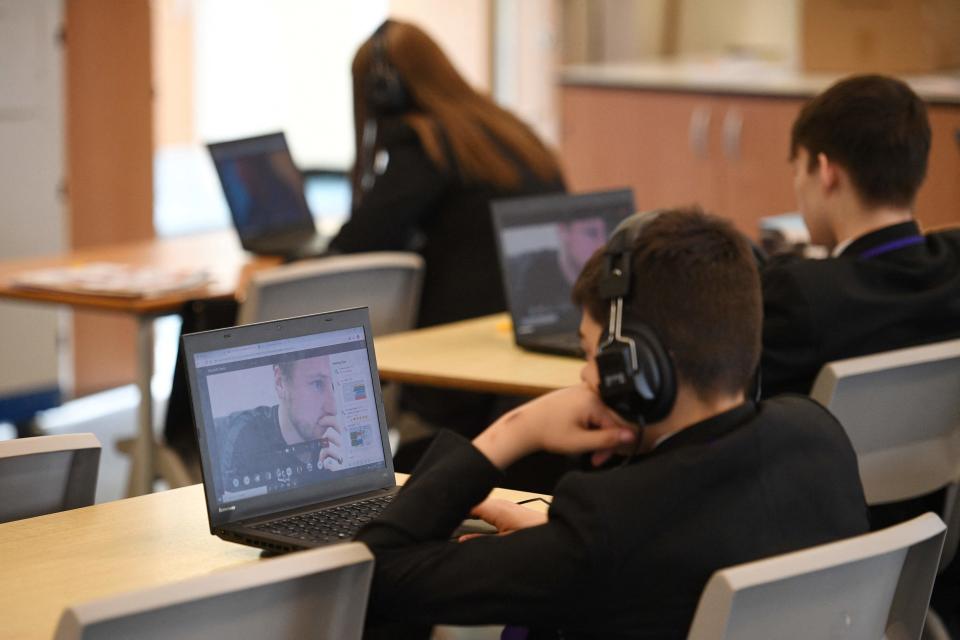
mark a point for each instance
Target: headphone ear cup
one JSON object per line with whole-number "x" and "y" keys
{"x": 642, "y": 393}
{"x": 386, "y": 94}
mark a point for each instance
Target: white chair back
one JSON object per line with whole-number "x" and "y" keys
{"x": 863, "y": 588}
{"x": 320, "y": 593}
{"x": 387, "y": 282}
{"x": 901, "y": 410}
{"x": 46, "y": 474}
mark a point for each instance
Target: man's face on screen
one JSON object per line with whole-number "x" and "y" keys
{"x": 306, "y": 391}
{"x": 579, "y": 240}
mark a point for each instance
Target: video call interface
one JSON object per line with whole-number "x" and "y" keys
{"x": 289, "y": 413}
{"x": 543, "y": 262}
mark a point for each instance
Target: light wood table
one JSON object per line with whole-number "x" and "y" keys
{"x": 50, "y": 562}
{"x": 473, "y": 355}
{"x": 218, "y": 253}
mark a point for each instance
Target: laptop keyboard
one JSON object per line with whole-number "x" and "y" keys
{"x": 329, "y": 525}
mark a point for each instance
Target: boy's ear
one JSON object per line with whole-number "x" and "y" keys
{"x": 828, "y": 172}
{"x": 279, "y": 383}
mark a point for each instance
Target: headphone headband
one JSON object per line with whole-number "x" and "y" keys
{"x": 386, "y": 93}
{"x": 636, "y": 374}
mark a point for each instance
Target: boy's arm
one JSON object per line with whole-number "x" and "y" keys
{"x": 568, "y": 421}
{"x": 532, "y": 576}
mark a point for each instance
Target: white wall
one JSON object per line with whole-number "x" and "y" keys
{"x": 768, "y": 27}
{"x": 526, "y": 56}
{"x": 284, "y": 64}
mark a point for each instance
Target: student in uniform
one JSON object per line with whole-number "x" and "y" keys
{"x": 696, "y": 476}
{"x": 859, "y": 153}
{"x": 432, "y": 152}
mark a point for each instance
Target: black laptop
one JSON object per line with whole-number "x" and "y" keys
{"x": 265, "y": 194}
{"x": 543, "y": 242}
{"x": 293, "y": 439}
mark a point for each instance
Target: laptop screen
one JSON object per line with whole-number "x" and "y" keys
{"x": 287, "y": 415}
{"x": 262, "y": 186}
{"x": 544, "y": 241}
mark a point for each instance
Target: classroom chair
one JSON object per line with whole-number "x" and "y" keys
{"x": 387, "y": 282}
{"x": 868, "y": 587}
{"x": 319, "y": 593}
{"x": 46, "y": 474}
{"x": 901, "y": 410}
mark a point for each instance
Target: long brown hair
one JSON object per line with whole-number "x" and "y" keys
{"x": 476, "y": 129}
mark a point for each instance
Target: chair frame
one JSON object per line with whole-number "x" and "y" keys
{"x": 332, "y": 265}
{"x": 80, "y": 489}
{"x": 901, "y": 473}
{"x": 920, "y": 540}
{"x": 79, "y": 618}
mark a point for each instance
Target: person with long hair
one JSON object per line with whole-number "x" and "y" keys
{"x": 432, "y": 152}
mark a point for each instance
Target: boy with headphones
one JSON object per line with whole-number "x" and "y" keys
{"x": 695, "y": 477}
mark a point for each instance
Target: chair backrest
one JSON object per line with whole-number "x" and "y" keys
{"x": 863, "y": 588}
{"x": 320, "y": 593}
{"x": 901, "y": 410}
{"x": 386, "y": 282}
{"x": 46, "y": 474}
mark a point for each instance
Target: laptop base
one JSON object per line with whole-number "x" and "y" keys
{"x": 559, "y": 344}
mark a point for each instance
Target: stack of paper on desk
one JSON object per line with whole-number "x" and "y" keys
{"x": 112, "y": 279}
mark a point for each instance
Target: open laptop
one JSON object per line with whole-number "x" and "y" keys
{"x": 265, "y": 194}
{"x": 543, "y": 242}
{"x": 293, "y": 439}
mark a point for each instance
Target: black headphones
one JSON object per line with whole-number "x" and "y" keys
{"x": 386, "y": 93}
{"x": 637, "y": 378}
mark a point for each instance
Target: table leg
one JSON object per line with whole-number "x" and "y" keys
{"x": 142, "y": 467}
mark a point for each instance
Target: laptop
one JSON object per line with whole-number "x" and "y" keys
{"x": 293, "y": 440}
{"x": 543, "y": 243}
{"x": 265, "y": 194}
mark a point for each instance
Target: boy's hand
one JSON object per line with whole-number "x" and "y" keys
{"x": 506, "y": 516}
{"x": 568, "y": 421}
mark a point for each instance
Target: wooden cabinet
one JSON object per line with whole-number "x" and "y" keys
{"x": 728, "y": 153}
{"x": 655, "y": 144}
{"x": 938, "y": 203}
{"x": 751, "y": 161}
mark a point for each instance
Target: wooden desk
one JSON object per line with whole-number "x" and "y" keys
{"x": 218, "y": 253}
{"x": 50, "y": 562}
{"x": 473, "y": 355}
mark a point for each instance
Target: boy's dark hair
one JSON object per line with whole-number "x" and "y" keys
{"x": 695, "y": 283}
{"x": 876, "y": 128}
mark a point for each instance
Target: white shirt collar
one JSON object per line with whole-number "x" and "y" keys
{"x": 663, "y": 438}
{"x": 840, "y": 248}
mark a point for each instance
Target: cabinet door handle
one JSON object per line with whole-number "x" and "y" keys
{"x": 700, "y": 131}
{"x": 732, "y": 128}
